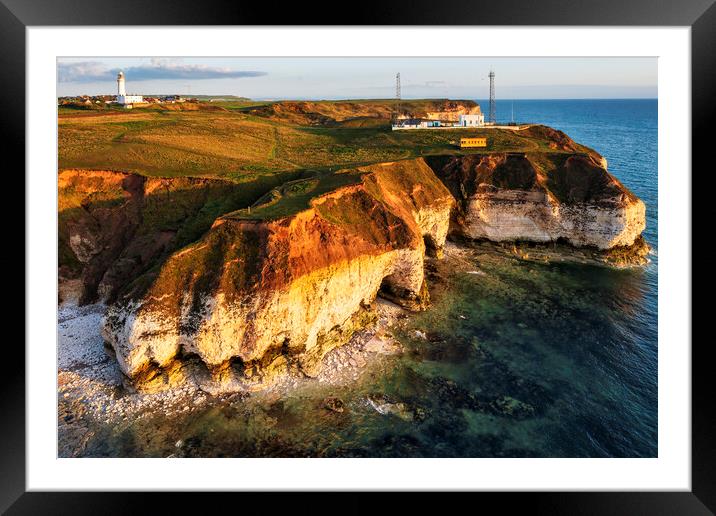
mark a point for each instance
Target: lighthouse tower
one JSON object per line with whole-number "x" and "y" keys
{"x": 122, "y": 97}
{"x": 121, "y": 92}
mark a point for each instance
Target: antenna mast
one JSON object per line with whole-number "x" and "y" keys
{"x": 492, "y": 117}
{"x": 397, "y": 96}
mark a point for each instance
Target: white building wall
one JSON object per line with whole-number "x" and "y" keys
{"x": 130, "y": 99}
{"x": 472, "y": 120}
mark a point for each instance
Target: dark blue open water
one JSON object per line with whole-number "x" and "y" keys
{"x": 524, "y": 358}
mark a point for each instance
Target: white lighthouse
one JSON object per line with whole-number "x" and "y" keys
{"x": 121, "y": 92}
{"x": 122, "y": 97}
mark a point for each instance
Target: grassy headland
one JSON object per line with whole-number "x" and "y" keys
{"x": 241, "y": 140}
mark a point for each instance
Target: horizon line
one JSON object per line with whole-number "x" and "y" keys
{"x": 345, "y": 99}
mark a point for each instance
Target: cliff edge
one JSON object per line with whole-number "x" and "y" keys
{"x": 544, "y": 197}
{"x": 273, "y": 291}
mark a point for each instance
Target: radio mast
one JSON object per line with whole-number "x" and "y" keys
{"x": 492, "y": 118}
{"x": 397, "y": 96}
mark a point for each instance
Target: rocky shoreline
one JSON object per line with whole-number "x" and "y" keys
{"x": 200, "y": 298}
{"x": 94, "y": 393}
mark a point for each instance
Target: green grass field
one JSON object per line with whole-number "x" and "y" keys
{"x": 228, "y": 140}
{"x": 295, "y": 196}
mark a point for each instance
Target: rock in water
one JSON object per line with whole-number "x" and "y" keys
{"x": 334, "y": 404}
{"x": 384, "y": 405}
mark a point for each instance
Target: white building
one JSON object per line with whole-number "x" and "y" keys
{"x": 122, "y": 97}
{"x": 415, "y": 123}
{"x": 472, "y": 120}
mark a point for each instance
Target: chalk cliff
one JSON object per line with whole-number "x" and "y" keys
{"x": 280, "y": 291}
{"x": 274, "y": 287}
{"x": 542, "y": 197}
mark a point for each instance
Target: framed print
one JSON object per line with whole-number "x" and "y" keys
{"x": 450, "y": 252}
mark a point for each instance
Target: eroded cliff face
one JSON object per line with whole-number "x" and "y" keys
{"x": 113, "y": 226}
{"x": 278, "y": 294}
{"x": 541, "y": 198}
{"x": 252, "y": 293}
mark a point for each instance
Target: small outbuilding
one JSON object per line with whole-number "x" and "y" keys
{"x": 472, "y": 142}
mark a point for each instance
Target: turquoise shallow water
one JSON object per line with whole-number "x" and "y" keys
{"x": 524, "y": 359}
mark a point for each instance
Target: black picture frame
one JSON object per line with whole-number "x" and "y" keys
{"x": 700, "y": 15}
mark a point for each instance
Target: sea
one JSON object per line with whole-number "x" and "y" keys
{"x": 515, "y": 357}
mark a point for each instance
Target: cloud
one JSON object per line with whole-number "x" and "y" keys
{"x": 87, "y": 71}
{"x": 156, "y": 69}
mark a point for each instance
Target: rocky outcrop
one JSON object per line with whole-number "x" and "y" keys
{"x": 278, "y": 292}
{"x": 541, "y": 198}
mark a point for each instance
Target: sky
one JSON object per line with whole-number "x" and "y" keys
{"x": 364, "y": 77}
